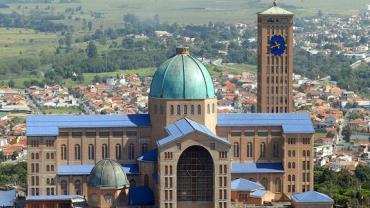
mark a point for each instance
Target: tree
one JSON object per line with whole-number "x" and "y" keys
{"x": 11, "y": 84}
{"x": 89, "y": 25}
{"x": 91, "y": 50}
{"x": 68, "y": 41}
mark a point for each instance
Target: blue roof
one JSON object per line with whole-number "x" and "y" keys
{"x": 185, "y": 126}
{"x": 258, "y": 193}
{"x": 290, "y": 122}
{"x": 53, "y": 197}
{"x": 242, "y": 184}
{"x": 151, "y": 156}
{"x": 129, "y": 169}
{"x": 312, "y": 197}
{"x": 257, "y": 168}
{"x": 140, "y": 195}
{"x": 7, "y": 198}
{"x": 48, "y": 125}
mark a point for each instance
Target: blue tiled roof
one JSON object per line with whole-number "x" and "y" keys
{"x": 151, "y": 156}
{"x": 257, "y": 168}
{"x": 185, "y": 126}
{"x": 312, "y": 197}
{"x": 242, "y": 184}
{"x": 48, "y": 125}
{"x": 290, "y": 122}
{"x": 258, "y": 193}
{"x": 7, "y": 198}
{"x": 140, "y": 195}
{"x": 53, "y": 197}
{"x": 86, "y": 169}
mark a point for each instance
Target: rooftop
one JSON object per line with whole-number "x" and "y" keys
{"x": 53, "y": 197}
{"x": 257, "y": 168}
{"x": 129, "y": 169}
{"x": 242, "y": 184}
{"x": 7, "y": 198}
{"x": 312, "y": 197}
{"x": 275, "y": 10}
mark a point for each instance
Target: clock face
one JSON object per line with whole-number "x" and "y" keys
{"x": 277, "y": 45}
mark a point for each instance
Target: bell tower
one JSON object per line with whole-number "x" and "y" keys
{"x": 275, "y": 61}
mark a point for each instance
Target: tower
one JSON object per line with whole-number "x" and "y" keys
{"x": 275, "y": 61}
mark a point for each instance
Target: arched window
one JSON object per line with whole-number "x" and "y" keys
{"x": 52, "y": 167}
{"x": 63, "y": 152}
{"x": 52, "y": 182}
{"x": 199, "y": 109}
{"x": 192, "y": 110}
{"x": 104, "y": 151}
{"x": 144, "y": 148}
{"x": 118, "y": 152}
{"x": 308, "y": 153}
{"x": 293, "y": 153}
{"x": 213, "y": 108}
{"x": 293, "y": 165}
{"x": 304, "y": 153}
{"x": 47, "y": 156}
{"x": 48, "y": 181}
{"x": 249, "y": 149}
{"x": 236, "y": 149}
{"x": 208, "y": 108}
{"x": 185, "y": 109}
{"x": 289, "y": 178}
{"x": 131, "y": 151}
{"x": 172, "y": 110}
{"x": 264, "y": 183}
{"x": 293, "y": 177}
{"x": 77, "y": 152}
{"x": 47, "y": 168}
{"x": 32, "y": 156}
{"x": 178, "y": 110}
{"x": 64, "y": 187}
{"x": 146, "y": 180}
{"x": 52, "y": 156}
{"x": 78, "y": 190}
{"x": 278, "y": 185}
{"x": 91, "y": 152}
{"x": 289, "y": 165}
{"x": 37, "y": 156}
{"x": 289, "y": 153}
{"x": 276, "y": 150}
{"x": 262, "y": 150}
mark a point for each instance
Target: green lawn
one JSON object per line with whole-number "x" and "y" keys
{"x": 52, "y": 110}
{"x": 188, "y": 11}
{"x": 24, "y": 42}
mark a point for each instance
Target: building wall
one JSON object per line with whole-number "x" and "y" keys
{"x": 295, "y": 205}
{"x": 221, "y": 192}
{"x": 272, "y": 68}
{"x": 79, "y": 136}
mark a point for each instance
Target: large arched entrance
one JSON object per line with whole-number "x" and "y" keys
{"x": 195, "y": 170}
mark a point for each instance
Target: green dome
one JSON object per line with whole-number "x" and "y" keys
{"x": 182, "y": 77}
{"x": 108, "y": 174}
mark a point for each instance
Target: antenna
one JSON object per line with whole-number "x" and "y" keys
{"x": 274, "y": 3}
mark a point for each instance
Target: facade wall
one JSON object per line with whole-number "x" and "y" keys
{"x": 275, "y": 73}
{"x": 295, "y": 205}
{"x": 221, "y": 195}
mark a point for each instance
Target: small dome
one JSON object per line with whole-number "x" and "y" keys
{"x": 182, "y": 77}
{"x": 108, "y": 174}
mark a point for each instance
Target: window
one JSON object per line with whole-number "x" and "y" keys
{"x": 77, "y": 152}
{"x": 236, "y": 133}
{"x": 33, "y": 156}
{"x": 64, "y": 187}
{"x": 104, "y": 134}
{"x": 199, "y": 110}
{"x": 249, "y": 133}
{"x": 118, "y": 152}
{"x": 78, "y": 187}
{"x": 172, "y": 110}
{"x": 131, "y": 133}
{"x": 104, "y": 152}
{"x": 63, "y": 152}
{"x": 264, "y": 183}
{"x": 213, "y": 108}
{"x": 236, "y": 149}
{"x": 308, "y": 153}
{"x": 90, "y": 134}
{"x": 47, "y": 156}
{"x": 304, "y": 165}
{"x": 278, "y": 185}
{"x": 276, "y": 133}
{"x": 144, "y": 148}
{"x": 76, "y": 134}
{"x": 131, "y": 151}
{"x": 243, "y": 197}
{"x": 262, "y": 133}
{"x": 249, "y": 149}
{"x": 275, "y": 151}
{"x": 208, "y": 108}
{"x": 91, "y": 152}
{"x": 304, "y": 153}
{"x": 117, "y": 134}
{"x": 262, "y": 150}
{"x": 192, "y": 109}
{"x": 185, "y": 109}
{"x": 178, "y": 110}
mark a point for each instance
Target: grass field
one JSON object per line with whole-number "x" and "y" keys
{"x": 191, "y": 11}
{"x": 51, "y": 110}
{"x": 23, "y": 42}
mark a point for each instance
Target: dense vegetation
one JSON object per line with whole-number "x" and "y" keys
{"x": 13, "y": 174}
{"x": 347, "y": 190}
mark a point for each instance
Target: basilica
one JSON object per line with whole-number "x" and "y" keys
{"x": 183, "y": 153}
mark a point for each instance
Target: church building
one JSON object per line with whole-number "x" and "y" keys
{"x": 182, "y": 154}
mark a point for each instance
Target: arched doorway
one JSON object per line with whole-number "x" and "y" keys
{"x": 195, "y": 175}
